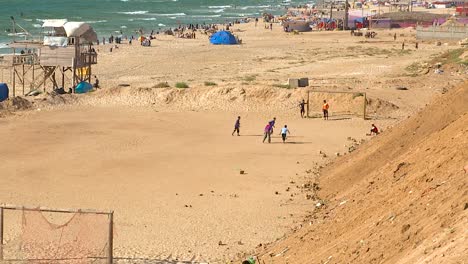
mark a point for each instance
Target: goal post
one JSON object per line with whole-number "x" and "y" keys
{"x": 341, "y": 103}
{"x": 71, "y": 236}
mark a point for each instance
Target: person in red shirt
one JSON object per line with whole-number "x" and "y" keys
{"x": 374, "y": 130}
{"x": 325, "y": 108}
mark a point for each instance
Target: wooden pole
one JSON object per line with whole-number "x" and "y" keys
{"x": 365, "y": 104}
{"x": 14, "y": 81}
{"x": 110, "y": 256}
{"x": 1, "y": 233}
{"x": 63, "y": 78}
{"x": 23, "y": 78}
{"x": 308, "y": 101}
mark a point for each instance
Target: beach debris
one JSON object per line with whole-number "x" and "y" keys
{"x": 241, "y": 172}
{"x": 188, "y": 206}
{"x": 220, "y": 243}
{"x": 282, "y": 252}
{"x": 344, "y": 202}
{"x": 401, "y": 88}
{"x": 123, "y": 85}
{"x": 337, "y": 154}
{"x": 466, "y": 206}
{"x": 277, "y": 193}
{"x": 201, "y": 194}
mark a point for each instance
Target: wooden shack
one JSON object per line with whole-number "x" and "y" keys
{"x": 63, "y": 58}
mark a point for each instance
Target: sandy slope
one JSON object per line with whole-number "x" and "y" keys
{"x": 401, "y": 198}
{"x": 148, "y": 165}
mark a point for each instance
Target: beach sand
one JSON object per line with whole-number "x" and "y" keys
{"x": 164, "y": 159}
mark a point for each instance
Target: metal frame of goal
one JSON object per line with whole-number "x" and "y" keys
{"x": 360, "y": 94}
{"x": 110, "y": 214}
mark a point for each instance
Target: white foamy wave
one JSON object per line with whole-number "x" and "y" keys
{"x": 217, "y": 7}
{"x": 218, "y": 11}
{"x": 3, "y": 45}
{"x": 206, "y": 16}
{"x": 97, "y": 21}
{"x": 17, "y": 34}
{"x": 123, "y": 0}
{"x": 161, "y": 25}
{"x": 134, "y": 12}
{"x": 123, "y": 26}
{"x": 146, "y": 18}
{"x": 36, "y": 25}
{"x": 171, "y": 15}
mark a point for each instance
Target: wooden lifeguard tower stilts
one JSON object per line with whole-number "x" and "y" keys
{"x": 66, "y": 50}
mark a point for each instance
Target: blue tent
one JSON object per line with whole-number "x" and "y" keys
{"x": 83, "y": 87}
{"x": 4, "y": 92}
{"x": 223, "y": 38}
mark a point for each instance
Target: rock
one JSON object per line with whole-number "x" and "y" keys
{"x": 201, "y": 194}
{"x": 241, "y": 172}
{"x": 405, "y": 228}
{"x": 466, "y": 206}
{"x": 276, "y": 193}
{"x": 337, "y": 154}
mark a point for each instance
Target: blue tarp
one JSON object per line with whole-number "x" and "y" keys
{"x": 83, "y": 87}
{"x": 223, "y": 38}
{"x": 4, "y": 92}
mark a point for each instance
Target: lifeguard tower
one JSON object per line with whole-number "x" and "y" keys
{"x": 62, "y": 58}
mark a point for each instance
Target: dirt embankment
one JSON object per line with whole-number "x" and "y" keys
{"x": 400, "y": 198}
{"x": 232, "y": 99}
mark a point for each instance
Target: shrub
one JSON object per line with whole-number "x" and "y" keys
{"x": 181, "y": 85}
{"x": 210, "y": 84}
{"x": 161, "y": 85}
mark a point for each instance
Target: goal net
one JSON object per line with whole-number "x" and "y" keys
{"x": 340, "y": 103}
{"x": 38, "y": 236}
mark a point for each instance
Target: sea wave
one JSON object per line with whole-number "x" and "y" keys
{"x": 217, "y": 7}
{"x": 161, "y": 25}
{"x": 205, "y": 16}
{"x": 3, "y": 45}
{"x": 37, "y": 25}
{"x": 134, "y": 12}
{"x": 218, "y": 11}
{"x": 146, "y": 18}
{"x": 171, "y": 15}
{"x": 96, "y": 21}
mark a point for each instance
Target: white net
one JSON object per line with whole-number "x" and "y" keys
{"x": 56, "y": 238}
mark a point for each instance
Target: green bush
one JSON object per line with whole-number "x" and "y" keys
{"x": 181, "y": 85}
{"x": 210, "y": 84}
{"x": 161, "y": 85}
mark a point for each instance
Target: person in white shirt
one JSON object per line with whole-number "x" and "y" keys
{"x": 284, "y": 131}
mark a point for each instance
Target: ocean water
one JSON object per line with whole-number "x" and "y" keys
{"x": 113, "y": 16}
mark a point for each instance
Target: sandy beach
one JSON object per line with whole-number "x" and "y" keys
{"x": 164, "y": 159}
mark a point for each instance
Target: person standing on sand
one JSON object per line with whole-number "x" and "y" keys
{"x": 271, "y": 26}
{"x": 256, "y": 21}
{"x": 284, "y": 132}
{"x": 394, "y": 37}
{"x": 236, "y": 126}
{"x": 267, "y": 133}
{"x": 302, "y": 107}
{"x": 272, "y": 124}
{"x": 403, "y": 45}
{"x": 325, "y": 108}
